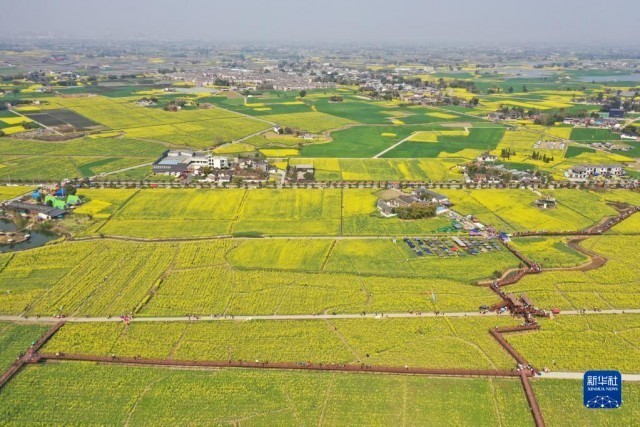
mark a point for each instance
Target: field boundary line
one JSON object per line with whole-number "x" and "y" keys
{"x": 377, "y": 156}
{"x": 325, "y": 400}
{"x": 75, "y": 166}
{"x": 140, "y": 396}
{"x": 342, "y": 338}
{"x": 326, "y": 257}
{"x": 125, "y": 169}
{"x": 494, "y": 395}
{"x": 232, "y": 223}
{"x": 122, "y": 206}
{"x": 178, "y": 343}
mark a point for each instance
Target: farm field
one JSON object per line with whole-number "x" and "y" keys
{"x": 355, "y": 110}
{"x": 613, "y": 286}
{"x": 188, "y": 213}
{"x": 196, "y": 213}
{"x": 220, "y": 290}
{"x": 37, "y": 160}
{"x": 167, "y": 396}
{"x": 222, "y": 276}
{"x": 359, "y": 141}
{"x": 197, "y": 128}
{"x": 561, "y": 404}
{"x": 298, "y": 254}
{"x": 465, "y": 143}
{"x": 425, "y": 342}
{"x": 8, "y": 192}
{"x": 102, "y": 203}
{"x": 384, "y": 257}
{"x": 284, "y": 212}
{"x": 381, "y": 169}
{"x": 15, "y": 339}
{"x": 549, "y": 252}
{"x": 85, "y": 147}
{"x": 574, "y": 343}
{"x": 84, "y": 277}
{"x": 512, "y": 210}
{"x": 291, "y": 293}
{"x": 590, "y": 135}
{"x": 630, "y": 226}
{"x": 313, "y": 121}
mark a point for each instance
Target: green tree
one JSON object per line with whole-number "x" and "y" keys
{"x": 70, "y": 189}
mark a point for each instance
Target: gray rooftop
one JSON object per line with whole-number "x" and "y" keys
{"x": 173, "y": 160}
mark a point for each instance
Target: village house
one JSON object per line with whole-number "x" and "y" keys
{"x": 386, "y": 207}
{"x": 145, "y": 102}
{"x": 584, "y": 172}
{"x": 41, "y": 211}
{"x": 173, "y": 162}
{"x": 251, "y": 169}
{"x": 432, "y": 196}
{"x": 177, "y": 162}
{"x": 420, "y": 196}
{"x": 486, "y": 158}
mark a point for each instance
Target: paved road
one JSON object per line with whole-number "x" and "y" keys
{"x": 591, "y": 311}
{"x": 287, "y": 317}
{"x": 123, "y": 170}
{"x": 245, "y": 318}
{"x": 392, "y": 147}
{"x": 580, "y": 375}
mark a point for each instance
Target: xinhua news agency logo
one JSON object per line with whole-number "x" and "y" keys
{"x": 602, "y": 389}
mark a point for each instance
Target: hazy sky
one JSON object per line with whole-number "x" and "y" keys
{"x": 367, "y": 21}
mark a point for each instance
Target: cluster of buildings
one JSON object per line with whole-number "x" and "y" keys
{"x": 271, "y": 77}
{"x": 418, "y": 196}
{"x": 46, "y": 203}
{"x": 219, "y": 168}
{"x": 484, "y": 170}
{"x": 611, "y": 146}
{"x": 609, "y": 122}
{"x": 585, "y": 172}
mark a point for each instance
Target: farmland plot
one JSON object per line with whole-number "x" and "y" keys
{"x": 15, "y": 340}
{"x": 206, "y": 291}
{"x": 112, "y": 279}
{"x": 574, "y": 343}
{"x": 427, "y": 342}
{"x": 171, "y": 213}
{"x": 104, "y": 394}
{"x": 290, "y": 212}
{"x": 615, "y": 285}
{"x": 561, "y": 404}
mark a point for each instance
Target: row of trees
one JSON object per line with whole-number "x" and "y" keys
{"x": 506, "y": 153}
{"x": 536, "y": 156}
